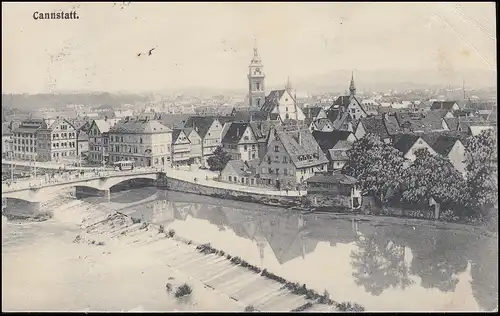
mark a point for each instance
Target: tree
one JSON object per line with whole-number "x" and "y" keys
{"x": 481, "y": 169}
{"x": 377, "y": 165}
{"x": 219, "y": 160}
{"x": 432, "y": 176}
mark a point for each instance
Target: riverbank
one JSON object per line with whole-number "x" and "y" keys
{"x": 89, "y": 254}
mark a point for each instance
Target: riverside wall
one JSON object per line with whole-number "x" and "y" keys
{"x": 174, "y": 184}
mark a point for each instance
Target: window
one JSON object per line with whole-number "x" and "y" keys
{"x": 230, "y": 178}
{"x": 286, "y": 108}
{"x": 285, "y": 171}
{"x": 245, "y": 147}
{"x": 353, "y": 110}
{"x": 258, "y": 102}
{"x": 285, "y": 159}
{"x": 277, "y": 170}
{"x": 276, "y": 149}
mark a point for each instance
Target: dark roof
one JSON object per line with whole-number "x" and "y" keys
{"x": 342, "y": 101}
{"x": 448, "y": 105}
{"x": 420, "y": 122}
{"x": 244, "y": 168}
{"x": 391, "y": 124}
{"x": 302, "y": 148}
{"x": 173, "y": 120}
{"x": 452, "y": 123}
{"x": 312, "y": 112}
{"x": 248, "y": 116}
{"x": 201, "y": 124}
{"x": 235, "y": 131}
{"x": 403, "y": 142}
{"x": 175, "y": 134}
{"x": 335, "y": 178}
{"x": 375, "y": 125}
{"x": 444, "y": 144}
{"x": 327, "y": 140}
{"x": 339, "y": 151}
{"x": 272, "y": 100}
{"x": 322, "y": 122}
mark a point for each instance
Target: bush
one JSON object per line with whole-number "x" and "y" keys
{"x": 144, "y": 225}
{"x": 101, "y": 243}
{"x": 171, "y": 233}
{"x": 303, "y": 307}
{"x": 250, "y": 308}
{"x": 161, "y": 229}
{"x": 350, "y": 307}
{"x": 183, "y": 290}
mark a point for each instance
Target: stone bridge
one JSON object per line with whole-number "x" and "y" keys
{"x": 40, "y": 190}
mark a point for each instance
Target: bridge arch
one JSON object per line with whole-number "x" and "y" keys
{"x": 44, "y": 193}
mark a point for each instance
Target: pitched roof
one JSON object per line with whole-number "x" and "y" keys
{"x": 302, "y": 148}
{"x": 327, "y": 140}
{"x": 448, "y": 105}
{"x": 235, "y": 132}
{"x": 139, "y": 127}
{"x": 176, "y": 132}
{"x": 403, "y": 142}
{"x": 444, "y": 144}
{"x": 200, "y": 123}
{"x": 105, "y": 125}
{"x": 312, "y": 112}
{"x": 374, "y": 125}
{"x": 341, "y": 122}
{"x": 420, "y": 122}
{"x": 272, "y": 100}
{"x": 337, "y": 178}
{"x": 243, "y": 168}
{"x": 173, "y": 120}
{"x": 321, "y": 123}
{"x": 339, "y": 151}
{"x": 452, "y": 123}
{"x": 341, "y": 101}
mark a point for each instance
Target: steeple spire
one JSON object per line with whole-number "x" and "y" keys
{"x": 288, "y": 86}
{"x": 352, "y": 87}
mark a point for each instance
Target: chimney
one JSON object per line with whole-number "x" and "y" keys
{"x": 300, "y": 138}
{"x": 237, "y": 132}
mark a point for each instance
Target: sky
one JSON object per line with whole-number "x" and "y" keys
{"x": 210, "y": 44}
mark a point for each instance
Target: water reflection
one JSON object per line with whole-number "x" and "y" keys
{"x": 358, "y": 262}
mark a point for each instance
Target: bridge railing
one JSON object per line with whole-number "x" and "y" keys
{"x": 38, "y": 182}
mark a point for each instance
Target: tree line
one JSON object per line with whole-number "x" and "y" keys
{"x": 381, "y": 171}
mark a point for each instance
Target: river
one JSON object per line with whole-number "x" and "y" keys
{"x": 384, "y": 267}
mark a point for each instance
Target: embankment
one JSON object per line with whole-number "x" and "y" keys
{"x": 178, "y": 185}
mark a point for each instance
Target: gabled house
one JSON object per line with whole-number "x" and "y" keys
{"x": 241, "y": 172}
{"x": 408, "y": 144}
{"x": 322, "y": 125}
{"x": 335, "y": 145}
{"x": 314, "y": 113}
{"x": 473, "y": 125}
{"x": 241, "y": 142}
{"x": 210, "y": 130}
{"x": 181, "y": 148}
{"x": 57, "y": 141}
{"x": 452, "y": 148}
{"x": 282, "y": 103}
{"x": 445, "y": 105}
{"x": 372, "y": 125}
{"x": 98, "y": 142}
{"x": 82, "y": 141}
{"x": 196, "y": 148}
{"x": 291, "y": 158}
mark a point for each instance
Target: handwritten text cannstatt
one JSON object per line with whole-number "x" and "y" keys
{"x": 61, "y": 15}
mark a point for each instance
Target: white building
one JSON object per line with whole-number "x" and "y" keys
{"x": 147, "y": 142}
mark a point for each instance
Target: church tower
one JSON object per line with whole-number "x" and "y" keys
{"x": 256, "y": 92}
{"x": 352, "y": 87}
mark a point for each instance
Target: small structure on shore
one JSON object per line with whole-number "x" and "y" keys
{"x": 334, "y": 190}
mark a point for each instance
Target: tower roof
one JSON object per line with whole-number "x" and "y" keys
{"x": 256, "y": 61}
{"x": 352, "y": 87}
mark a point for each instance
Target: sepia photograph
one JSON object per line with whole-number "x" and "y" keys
{"x": 249, "y": 157}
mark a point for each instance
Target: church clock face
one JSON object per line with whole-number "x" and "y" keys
{"x": 257, "y": 71}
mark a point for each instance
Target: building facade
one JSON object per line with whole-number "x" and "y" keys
{"x": 146, "y": 142}
{"x": 24, "y": 139}
{"x": 181, "y": 148}
{"x": 196, "y": 147}
{"x": 241, "y": 142}
{"x": 57, "y": 141}
{"x": 98, "y": 140}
